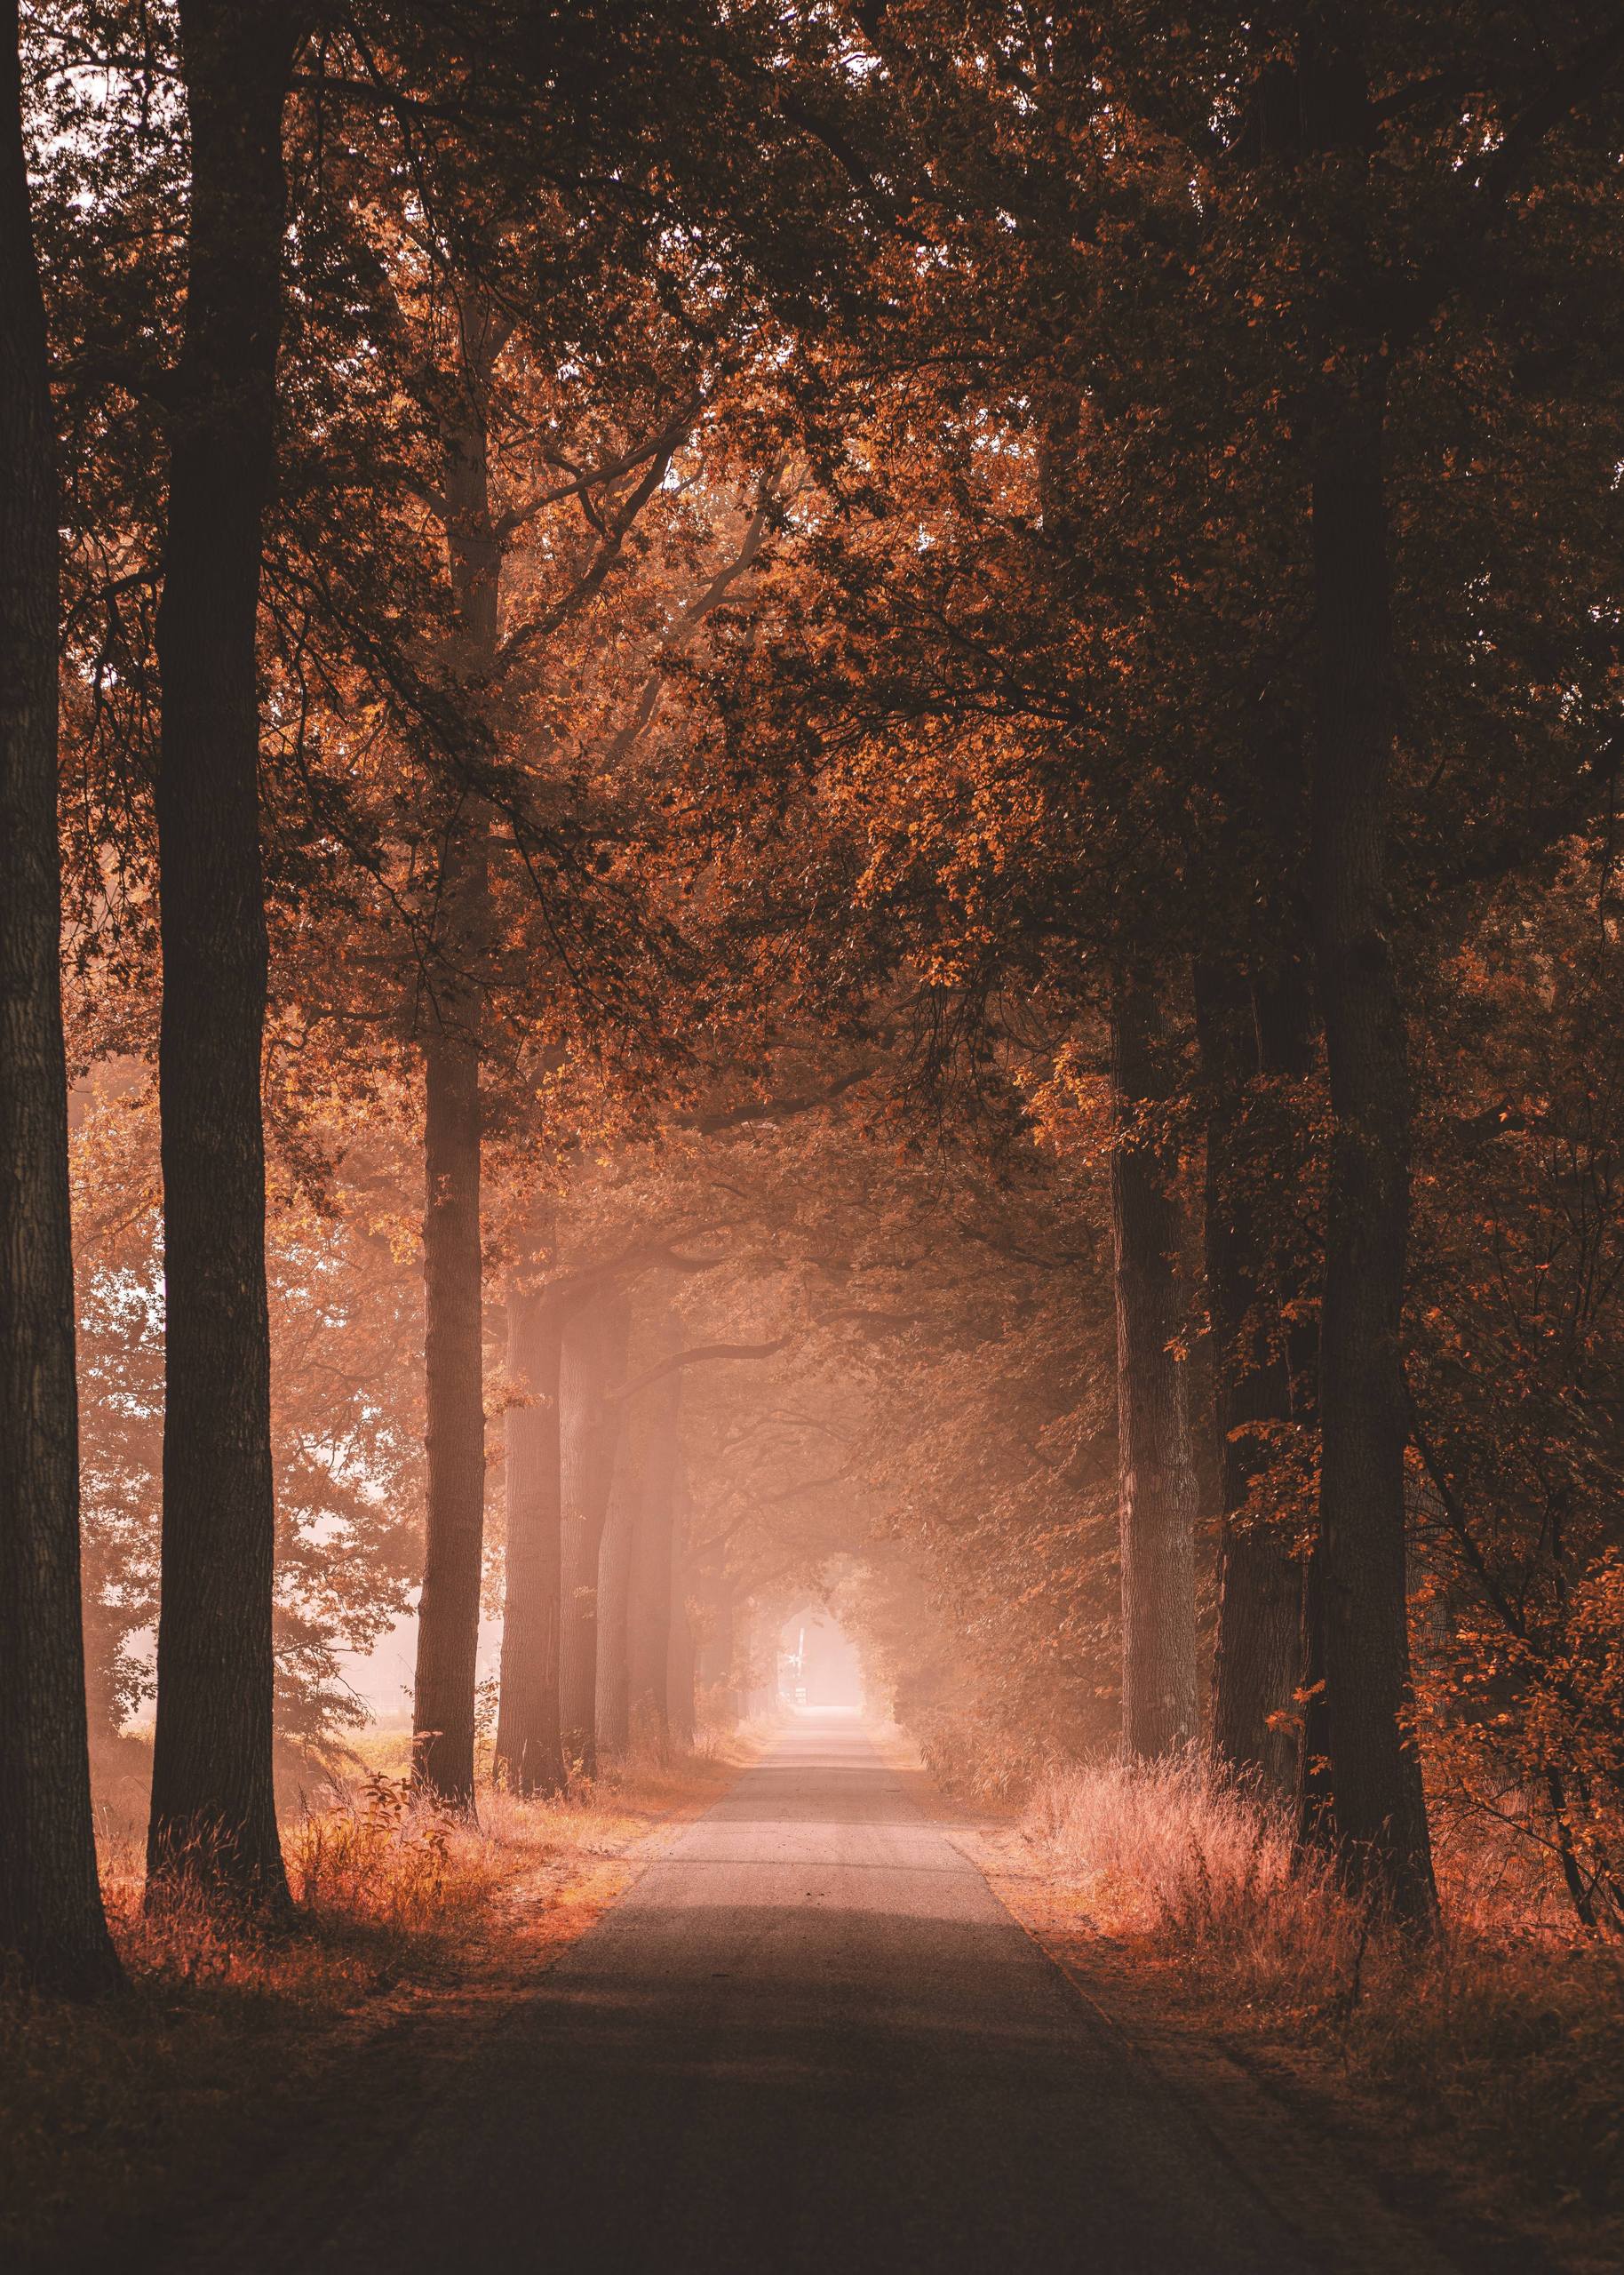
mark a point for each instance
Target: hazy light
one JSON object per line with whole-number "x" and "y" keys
{"x": 818, "y": 1665}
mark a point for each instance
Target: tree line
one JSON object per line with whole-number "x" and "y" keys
{"x": 896, "y": 683}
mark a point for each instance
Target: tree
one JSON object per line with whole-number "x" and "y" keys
{"x": 1313, "y": 114}
{"x": 591, "y": 1365}
{"x": 213, "y": 1806}
{"x": 652, "y": 1610}
{"x": 1256, "y": 1043}
{"x": 612, "y": 1707}
{"x": 1347, "y": 133}
{"x": 528, "y": 1747}
{"x": 874, "y": 547}
{"x": 51, "y": 1912}
{"x": 453, "y": 1259}
{"x": 1376, "y": 1815}
{"x": 1153, "y": 1429}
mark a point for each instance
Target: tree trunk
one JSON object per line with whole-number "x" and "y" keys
{"x": 652, "y": 1610}
{"x": 1374, "y": 1813}
{"x": 529, "y": 1752}
{"x": 213, "y": 1806}
{"x": 612, "y": 1715}
{"x": 680, "y": 1651}
{"x": 1257, "y": 1660}
{"x": 1157, "y": 1479}
{"x": 612, "y": 1711}
{"x": 760, "y": 1662}
{"x": 50, "y": 1915}
{"x": 594, "y": 1359}
{"x": 448, "y": 1609}
{"x": 713, "y": 1668}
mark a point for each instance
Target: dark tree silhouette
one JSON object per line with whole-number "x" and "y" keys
{"x": 50, "y": 1911}
{"x": 214, "y": 1808}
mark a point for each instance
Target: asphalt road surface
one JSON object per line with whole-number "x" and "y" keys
{"x": 809, "y": 2038}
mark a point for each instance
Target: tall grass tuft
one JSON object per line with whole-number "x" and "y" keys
{"x": 1501, "y": 2043}
{"x": 1198, "y": 1860}
{"x": 392, "y": 1858}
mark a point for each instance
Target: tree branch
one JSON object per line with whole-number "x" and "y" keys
{"x": 698, "y": 1354}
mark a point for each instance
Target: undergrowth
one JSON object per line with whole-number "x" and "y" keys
{"x": 1499, "y": 2046}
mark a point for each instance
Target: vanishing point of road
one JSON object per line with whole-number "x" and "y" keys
{"x": 809, "y": 2039}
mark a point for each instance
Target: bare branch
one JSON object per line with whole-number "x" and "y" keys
{"x": 698, "y": 1354}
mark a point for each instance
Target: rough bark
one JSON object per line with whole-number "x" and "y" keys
{"x": 529, "y": 1753}
{"x": 593, "y": 1360}
{"x": 213, "y": 1810}
{"x": 454, "y": 1527}
{"x": 50, "y": 1915}
{"x": 1157, "y": 1482}
{"x": 1257, "y": 1656}
{"x": 1372, "y": 1811}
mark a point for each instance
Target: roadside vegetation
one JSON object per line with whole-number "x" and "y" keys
{"x": 1491, "y": 2056}
{"x": 811, "y": 806}
{"x": 231, "y": 2044}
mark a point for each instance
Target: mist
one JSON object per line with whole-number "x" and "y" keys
{"x": 811, "y": 1106}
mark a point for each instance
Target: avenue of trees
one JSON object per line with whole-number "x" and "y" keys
{"x": 812, "y": 803}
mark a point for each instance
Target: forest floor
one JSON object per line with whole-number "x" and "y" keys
{"x": 125, "y": 2126}
{"x": 1477, "y": 2087}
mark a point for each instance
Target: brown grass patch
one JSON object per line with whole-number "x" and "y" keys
{"x": 1495, "y": 2056}
{"x": 112, "y": 2118}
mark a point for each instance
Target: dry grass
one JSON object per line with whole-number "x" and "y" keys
{"x": 1177, "y": 1854}
{"x": 1499, "y": 2051}
{"x": 110, "y": 2116}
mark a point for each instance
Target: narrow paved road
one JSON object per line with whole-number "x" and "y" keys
{"x": 809, "y": 2038}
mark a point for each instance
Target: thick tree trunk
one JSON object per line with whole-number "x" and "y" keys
{"x": 1156, "y": 1477}
{"x": 594, "y": 1360}
{"x": 651, "y": 1611}
{"x": 1258, "y": 1655}
{"x": 529, "y": 1753}
{"x": 214, "y": 1808}
{"x": 1373, "y": 1812}
{"x": 448, "y": 1610}
{"x": 50, "y": 1915}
